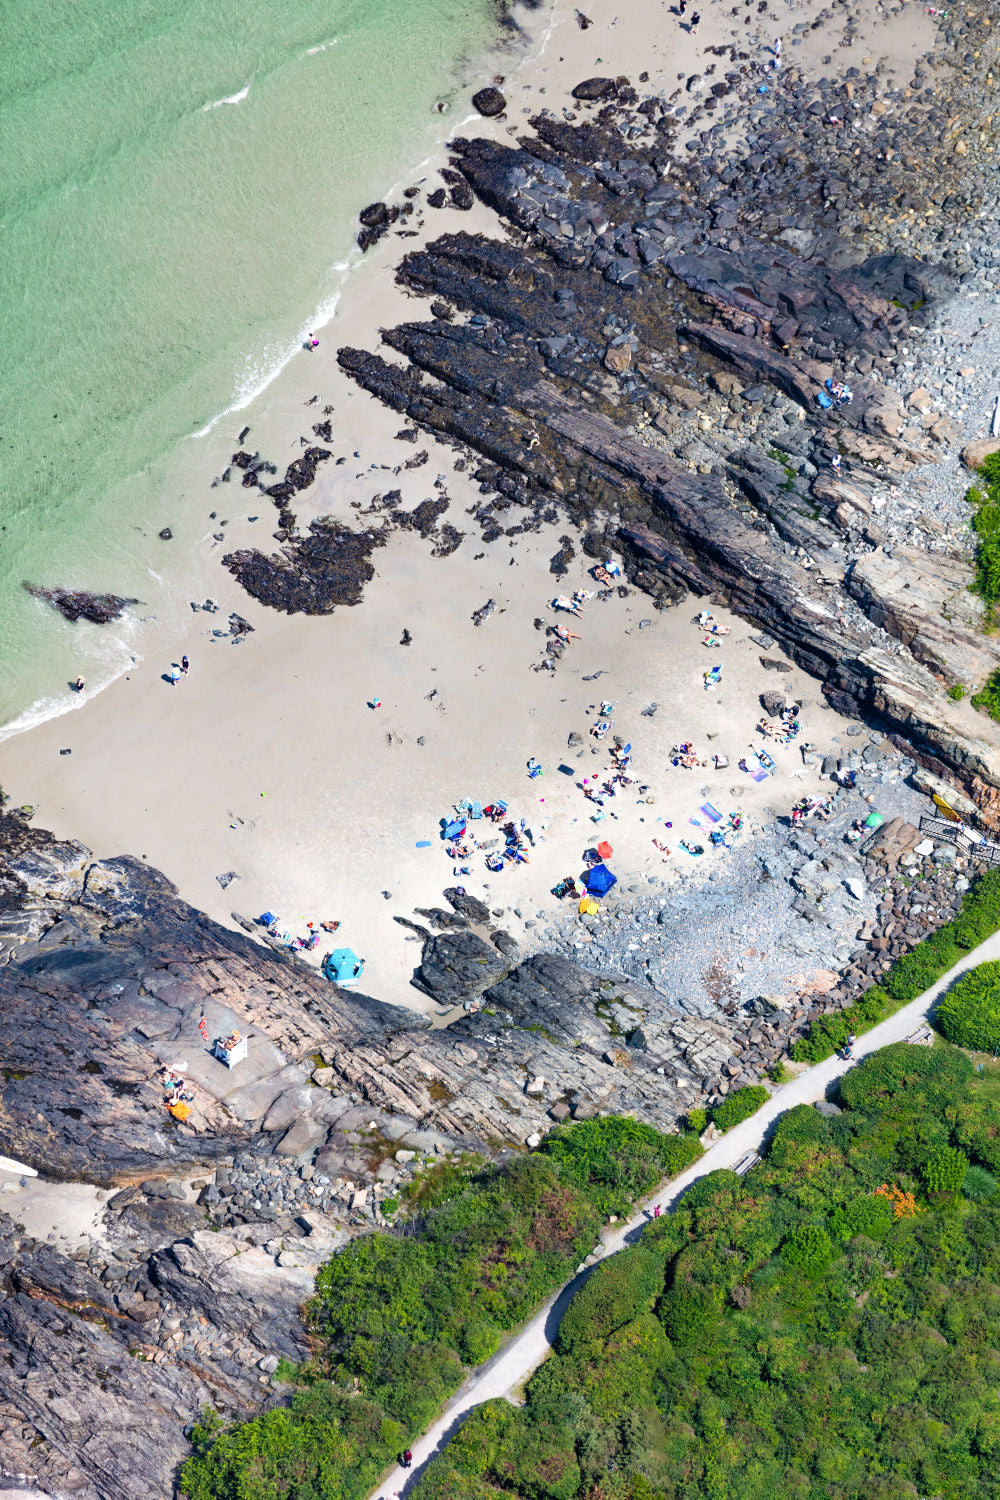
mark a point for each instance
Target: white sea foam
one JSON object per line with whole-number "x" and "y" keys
{"x": 41, "y": 710}
{"x": 229, "y": 99}
{"x": 262, "y": 368}
{"x": 323, "y": 47}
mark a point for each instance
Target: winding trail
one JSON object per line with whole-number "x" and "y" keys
{"x": 506, "y": 1372}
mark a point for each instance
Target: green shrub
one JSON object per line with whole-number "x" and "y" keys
{"x": 828, "y": 1034}
{"x": 324, "y": 1444}
{"x": 739, "y": 1105}
{"x": 441, "y": 1181}
{"x": 944, "y": 1172}
{"x": 689, "y": 1308}
{"x": 802, "y": 1124}
{"x": 985, "y": 503}
{"x": 618, "y": 1290}
{"x": 904, "y": 1077}
{"x": 988, "y": 697}
{"x": 870, "y": 1215}
{"x": 809, "y": 1248}
{"x": 980, "y": 914}
{"x": 969, "y": 1014}
{"x": 978, "y": 1184}
{"x": 778, "y": 1073}
{"x": 923, "y": 966}
{"x": 956, "y": 692}
{"x": 615, "y": 1159}
{"x": 697, "y": 1120}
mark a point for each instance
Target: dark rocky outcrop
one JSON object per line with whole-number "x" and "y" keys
{"x": 81, "y": 604}
{"x": 311, "y": 575}
{"x": 613, "y": 247}
{"x": 489, "y": 101}
{"x": 459, "y": 966}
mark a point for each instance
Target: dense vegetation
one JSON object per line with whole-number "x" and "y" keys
{"x": 739, "y": 1105}
{"x": 399, "y": 1316}
{"x": 969, "y": 1013}
{"x": 985, "y": 501}
{"x": 827, "y": 1326}
{"x": 911, "y": 974}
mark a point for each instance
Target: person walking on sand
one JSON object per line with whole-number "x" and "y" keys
{"x": 185, "y": 665}
{"x": 175, "y": 674}
{"x": 693, "y": 25}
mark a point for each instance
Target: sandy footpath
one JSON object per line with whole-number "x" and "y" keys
{"x": 267, "y": 762}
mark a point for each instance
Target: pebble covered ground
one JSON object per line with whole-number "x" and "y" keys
{"x": 749, "y": 928}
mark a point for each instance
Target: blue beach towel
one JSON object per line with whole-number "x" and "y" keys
{"x": 710, "y": 812}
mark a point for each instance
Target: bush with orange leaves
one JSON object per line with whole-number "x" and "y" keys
{"x": 904, "y": 1205}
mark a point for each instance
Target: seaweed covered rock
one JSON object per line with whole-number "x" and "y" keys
{"x": 81, "y": 604}
{"x": 311, "y": 575}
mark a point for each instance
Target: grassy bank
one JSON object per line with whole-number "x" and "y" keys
{"x": 399, "y": 1317}
{"x": 911, "y": 974}
{"x": 826, "y": 1326}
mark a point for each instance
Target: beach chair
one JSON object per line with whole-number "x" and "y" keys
{"x": 824, "y": 400}
{"x": 476, "y": 811}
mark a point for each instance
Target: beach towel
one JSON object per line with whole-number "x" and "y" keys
{"x": 476, "y": 811}
{"x": 758, "y": 775}
{"x": 423, "y": 843}
{"x": 710, "y": 812}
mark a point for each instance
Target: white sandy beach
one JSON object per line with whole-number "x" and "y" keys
{"x": 266, "y": 761}
{"x": 330, "y": 798}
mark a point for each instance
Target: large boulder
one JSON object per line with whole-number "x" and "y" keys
{"x": 489, "y": 101}
{"x": 459, "y": 966}
{"x": 974, "y": 453}
{"x": 592, "y": 89}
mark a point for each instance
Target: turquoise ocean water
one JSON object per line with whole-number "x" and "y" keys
{"x": 179, "y": 190}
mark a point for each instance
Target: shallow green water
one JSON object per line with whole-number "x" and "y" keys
{"x": 180, "y": 183}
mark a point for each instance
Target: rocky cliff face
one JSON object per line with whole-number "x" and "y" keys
{"x": 104, "y": 974}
